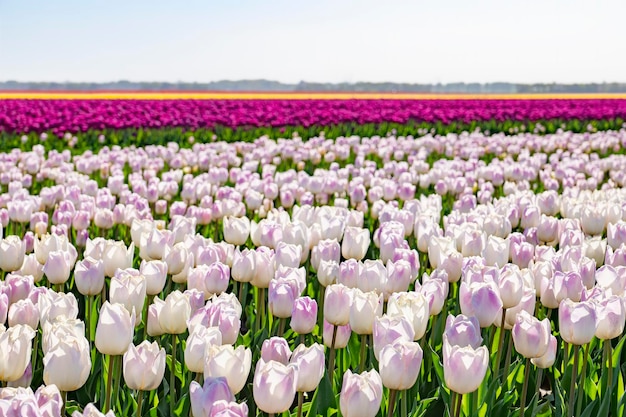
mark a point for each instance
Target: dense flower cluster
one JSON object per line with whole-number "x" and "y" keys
{"x": 61, "y": 116}
{"x": 289, "y": 267}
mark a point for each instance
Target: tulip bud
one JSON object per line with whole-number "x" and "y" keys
{"x": 281, "y": 296}
{"x": 68, "y": 364}
{"x": 155, "y": 273}
{"x": 510, "y": 286}
{"x": 244, "y": 264}
{"x": 57, "y": 267}
{"x": 12, "y": 251}
{"x": 363, "y": 309}
{"x": 24, "y": 312}
{"x": 89, "y": 276}
{"x": 611, "y": 317}
{"x": 144, "y": 366}
{"x": 481, "y": 300}
{"x": 577, "y": 321}
{"x": 355, "y": 243}
{"x": 274, "y": 386}
{"x": 115, "y": 329}
{"x": 229, "y": 362}
{"x": 236, "y": 230}
{"x": 401, "y": 355}
{"x": 310, "y": 364}
{"x": 361, "y": 394}
{"x": 203, "y": 398}
{"x": 337, "y": 300}
{"x": 16, "y": 347}
{"x": 464, "y": 368}
{"x": 547, "y": 360}
{"x": 288, "y": 255}
{"x": 275, "y": 349}
{"x": 463, "y": 331}
{"x": 303, "y": 315}
{"x": 264, "y": 267}
{"x": 531, "y": 336}
{"x": 117, "y": 256}
{"x": 197, "y": 343}
{"x": 175, "y": 313}
{"x": 388, "y": 329}
{"x": 128, "y": 287}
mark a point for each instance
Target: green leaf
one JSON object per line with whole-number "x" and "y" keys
{"x": 323, "y": 398}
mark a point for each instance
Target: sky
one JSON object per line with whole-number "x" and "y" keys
{"x": 416, "y": 41}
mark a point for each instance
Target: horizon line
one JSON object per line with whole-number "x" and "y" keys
{"x": 222, "y": 95}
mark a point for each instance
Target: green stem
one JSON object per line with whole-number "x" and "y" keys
{"x": 320, "y": 310}
{"x": 107, "y": 397}
{"x": 241, "y": 292}
{"x": 35, "y": 350}
{"x": 64, "y": 400}
{"x": 522, "y": 404}
{"x": 452, "y": 403}
{"x": 507, "y": 361}
{"x": 300, "y": 402}
{"x": 281, "y": 326}
{"x": 103, "y": 297}
{"x": 363, "y": 352}
{"x": 257, "y": 319}
{"x": 117, "y": 376}
{"x": 262, "y": 306}
{"x": 459, "y": 401}
{"x": 392, "y": 402}
{"x": 500, "y": 340}
{"x": 403, "y": 401}
{"x": 88, "y": 318}
{"x": 172, "y": 399}
{"x": 583, "y": 374}
{"x": 146, "y": 306}
{"x": 139, "y": 402}
{"x": 608, "y": 360}
{"x": 331, "y": 357}
{"x": 536, "y": 397}
{"x": 572, "y": 386}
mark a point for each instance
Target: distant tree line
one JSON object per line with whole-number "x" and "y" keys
{"x": 267, "y": 85}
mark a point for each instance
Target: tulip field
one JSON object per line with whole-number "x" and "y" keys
{"x": 348, "y": 257}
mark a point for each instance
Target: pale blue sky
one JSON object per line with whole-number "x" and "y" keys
{"x": 322, "y": 40}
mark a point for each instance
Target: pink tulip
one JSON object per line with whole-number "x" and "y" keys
{"x": 276, "y": 349}
{"x": 403, "y": 355}
{"x": 388, "y": 329}
{"x": 303, "y": 315}
{"x": 310, "y": 364}
{"x": 577, "y": 321}
{"x": 480, "y": 300}
{"x": 203, "y": 398}
{"x": 463, "y": 331}
{"x": 337, "y": 301}
{"x": 547, "y": 360}
{"x": 274, "y": 386}
{"x": 361, "y": 394}
{"x": 531, "y": 336}
{"x": 464, "y": 368}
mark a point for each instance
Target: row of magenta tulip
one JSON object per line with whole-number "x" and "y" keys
{"x": 367, "y": 256}
{"x": 62, "y": 116}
